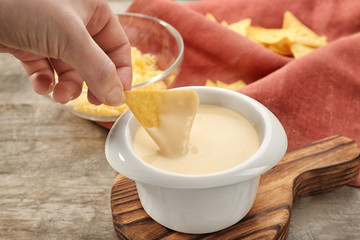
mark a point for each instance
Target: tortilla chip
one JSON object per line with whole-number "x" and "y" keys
{"x": 299, "y": 50}
{"x": 147, "y": 105}
{"x": 211, "y": 17}
{"x": 304, "y": 35}
{"x": 210, "y": 83}
{"x": 237, "y": 85}
{"x": 269, "y": 35}
{"x": 232, "y": 86}
{"x": 241, "y": 27}
{"x": 282, "y": 47}
{"x": 224, "y": 23}
{"x": 144, "y": 105}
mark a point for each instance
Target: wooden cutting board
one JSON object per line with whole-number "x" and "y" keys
{"x": 315, "y": 168}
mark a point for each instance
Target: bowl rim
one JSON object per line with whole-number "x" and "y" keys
{"x": 174, "y": 33}
{"x": 274, "y": 137}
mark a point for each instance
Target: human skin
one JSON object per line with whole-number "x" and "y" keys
{"x": 80, "y": 40}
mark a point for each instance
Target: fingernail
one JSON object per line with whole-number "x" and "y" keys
{"x": 44, "y": 84}
{"x": 51, "y": 86}
{"x": 115, "y": 97}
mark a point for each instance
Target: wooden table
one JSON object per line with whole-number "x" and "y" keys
{"x": 55, "y": 182}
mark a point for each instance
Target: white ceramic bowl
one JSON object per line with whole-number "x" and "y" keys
{"x": 200, "y": 203}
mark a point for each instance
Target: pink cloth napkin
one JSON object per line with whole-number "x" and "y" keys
{"x": 314, "y": 97}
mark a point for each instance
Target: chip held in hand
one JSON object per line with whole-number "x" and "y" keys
{"x": 166, "y": 115}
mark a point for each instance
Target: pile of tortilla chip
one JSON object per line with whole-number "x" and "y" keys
{"x": 293, "y": 39}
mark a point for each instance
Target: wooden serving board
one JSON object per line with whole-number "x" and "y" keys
{"x": 315, "y": 168}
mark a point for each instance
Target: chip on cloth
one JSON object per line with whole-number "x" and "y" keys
{"x": 232, "y": 86}
{"x": 303, "y": 34}
{"x": 211, "y": 17}
{"x": 269, "y": 35}
{"x": 300, "y": 50}
{"x": 240, "y": 27}
{"x": 210, "y": 83}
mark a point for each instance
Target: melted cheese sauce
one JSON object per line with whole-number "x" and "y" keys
{"x": 176, "y": 117}
{"x": 220, "y": 139}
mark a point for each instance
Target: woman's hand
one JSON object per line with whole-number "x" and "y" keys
{"x": 82, "y": 40}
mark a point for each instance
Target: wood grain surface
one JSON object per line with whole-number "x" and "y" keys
{"x": 316, "y": 168}
{"x": 55, "y": 182}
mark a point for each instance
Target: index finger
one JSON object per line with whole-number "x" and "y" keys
{"x": 112, "y": 39}
{"x": 104, "y": 65}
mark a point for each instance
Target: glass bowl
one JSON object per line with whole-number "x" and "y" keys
{"x": 155, "y": 39}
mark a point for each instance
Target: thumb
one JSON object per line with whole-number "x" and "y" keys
{"x": 101, "y": 69}
{"x": 99, "y": 73}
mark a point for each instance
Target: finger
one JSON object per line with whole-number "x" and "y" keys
{"x": 62, "y": 90}
{"x": 92, "y": 99}
{"x": 96, "y": 68}
{"x": 43, "y": 81}
{"x": 69, "y": 81}
{"x": 39, "y": 69}
{"x": 113, "y": 40}
{"x": 103, "y": 61}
